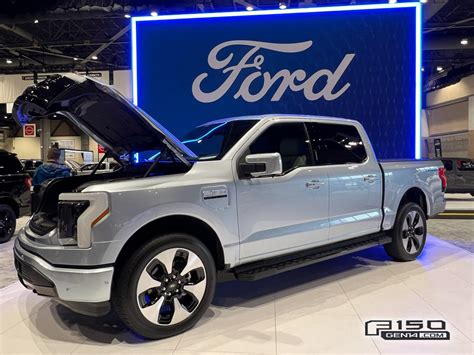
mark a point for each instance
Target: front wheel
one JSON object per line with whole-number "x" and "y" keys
{"x": 7, "y": 223}
{"x": 166, "y": 286}
{"x": 408, "y": 234}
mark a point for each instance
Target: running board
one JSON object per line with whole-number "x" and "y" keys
{"x": 268, "y": 267}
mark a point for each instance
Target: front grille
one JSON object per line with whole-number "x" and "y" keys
{"x": 41, "y": 224}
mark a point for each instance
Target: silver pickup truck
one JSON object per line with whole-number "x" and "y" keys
{"x": 241, "y": 198}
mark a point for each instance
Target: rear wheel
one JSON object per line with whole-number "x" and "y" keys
{"x": 7, "y": 223}
{"x": 165, "y": 286}
{"x": 408, "y": 234}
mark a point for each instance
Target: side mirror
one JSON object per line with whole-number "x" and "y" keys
{"x": 258, "y": 165}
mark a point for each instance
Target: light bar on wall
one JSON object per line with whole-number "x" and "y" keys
{"x": 418, "y": 83}
{"x": 277, "y": 12}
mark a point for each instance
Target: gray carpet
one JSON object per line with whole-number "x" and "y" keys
{"x": 459, "y": 232}
{"x": 7, "y": 267}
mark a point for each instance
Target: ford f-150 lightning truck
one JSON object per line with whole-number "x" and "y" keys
{"x": 243, "y": 197}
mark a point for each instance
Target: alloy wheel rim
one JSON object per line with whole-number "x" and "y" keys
{"x": 171, "y": 286}
{"x": 413, "y": 231}
{"x": 6, "y": 224}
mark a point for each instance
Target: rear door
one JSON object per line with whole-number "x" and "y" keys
{"x": 355, "y": 180}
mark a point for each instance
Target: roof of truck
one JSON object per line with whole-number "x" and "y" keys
{"x": 277, "y": 115}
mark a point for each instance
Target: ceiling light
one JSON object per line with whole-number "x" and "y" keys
{"x": 76, "y": 58}
{"x": 392, "y": 1}
{"x": 154, "y": 13}
{"x": 9, "y": 61}
{"x": 423, "y": 1}
{"x": 127, "y": 15}
{"x": 422, "y": 68}
{"x": 94, "y": 57}
{"x": 282, "y": 6}
{"x": 249, "y": 8}
{"x": 36, "y": 21}
{"x": 439, "y": 68}
{"x": 464, "y": 42}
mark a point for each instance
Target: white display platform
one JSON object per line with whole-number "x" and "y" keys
{"x": 317, "y": 309}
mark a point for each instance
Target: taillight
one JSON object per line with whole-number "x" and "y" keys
{"x": 442, "y": 176}
{"x": 27, "y": 182}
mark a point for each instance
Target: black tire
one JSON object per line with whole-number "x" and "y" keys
{"x": 124, "y": 292}
{"x": 7, "y": 223}
{"x": 414, "y": 239}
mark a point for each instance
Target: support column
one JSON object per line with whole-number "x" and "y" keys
{"x": 45, "y": 138}
{"x": 470, "y": 127}
{"x": 84, "y": 141}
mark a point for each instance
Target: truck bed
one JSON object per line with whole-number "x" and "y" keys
{"x": 401, "y": 175}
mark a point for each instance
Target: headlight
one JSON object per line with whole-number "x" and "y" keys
{"x": 78, "y": 213}
{"x": 68, "y": 214}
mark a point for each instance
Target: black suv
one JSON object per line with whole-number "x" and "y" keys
{"x": 15, "y": 195}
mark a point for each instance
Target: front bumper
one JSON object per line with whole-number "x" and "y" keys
{"x": 68, "y": 284}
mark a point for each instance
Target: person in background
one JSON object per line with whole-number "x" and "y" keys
{"x": 52, "y": 168}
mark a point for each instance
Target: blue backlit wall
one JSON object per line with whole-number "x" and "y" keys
{"x": 359, "y": 62}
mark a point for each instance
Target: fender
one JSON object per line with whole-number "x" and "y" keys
{"x": 226, "y": 230}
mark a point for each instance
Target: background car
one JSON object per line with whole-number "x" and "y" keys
{"x": 73, "y": 165}
{"x": 105, "y": 167}
{"x": 15, "y": 197}
{"x": 460, "y": 175}
{"x": 30, "y": 165}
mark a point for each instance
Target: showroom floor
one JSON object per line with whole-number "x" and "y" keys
{"x": 317, "y": 309}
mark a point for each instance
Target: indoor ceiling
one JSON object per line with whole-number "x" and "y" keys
{"x": 86, "y": 35}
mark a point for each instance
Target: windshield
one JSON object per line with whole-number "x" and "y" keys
{"x": 211, "y": 141}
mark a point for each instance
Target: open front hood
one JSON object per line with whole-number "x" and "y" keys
{"x": 100, "y": 111}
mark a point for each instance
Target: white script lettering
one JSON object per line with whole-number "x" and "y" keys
{"x": 296, "y": 81}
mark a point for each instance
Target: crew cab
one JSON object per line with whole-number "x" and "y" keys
{"x": 241, "y": 198}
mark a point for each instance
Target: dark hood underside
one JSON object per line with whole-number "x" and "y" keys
{"x": 100, "y": 111}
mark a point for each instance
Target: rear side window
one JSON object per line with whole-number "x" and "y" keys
{"x": 336, "y": 144}
{"x": 465, "y": 165}
{"x": 9, "y": 164}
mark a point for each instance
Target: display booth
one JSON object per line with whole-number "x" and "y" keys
{"x": 359, "y": 62}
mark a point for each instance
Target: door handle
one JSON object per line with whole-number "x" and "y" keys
{"x": 369, "y": 178}
{"x": 314, "y": 184}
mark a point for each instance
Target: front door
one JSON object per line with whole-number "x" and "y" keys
{"x": 281, "y": 214}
